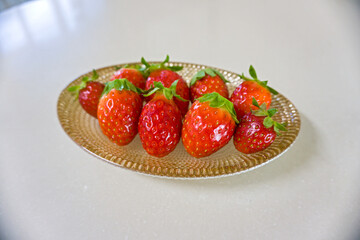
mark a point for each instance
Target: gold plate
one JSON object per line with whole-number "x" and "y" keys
{"x": 85, "y": 131}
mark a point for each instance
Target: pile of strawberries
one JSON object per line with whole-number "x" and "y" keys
{"x": 210, "y": 123}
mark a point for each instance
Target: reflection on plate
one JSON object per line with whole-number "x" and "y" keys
{"x": 85, "y": 131}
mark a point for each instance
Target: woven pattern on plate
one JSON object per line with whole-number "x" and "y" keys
{"x": 85, "y": 131}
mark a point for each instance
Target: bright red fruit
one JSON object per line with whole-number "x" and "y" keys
{"x": 251, "y": 135}
{"x": 257, "y": 130}
{"x": 208, "y": 125}
{"x": 133, "y": 74}
{"x": 119, "y": 110}
{"x": 167, "y": 75}
{"x": 207, "y": 81}
{"x": 249, "y": 89}
{"x": 160, "y": 122}
{"x": 89, "y": 93}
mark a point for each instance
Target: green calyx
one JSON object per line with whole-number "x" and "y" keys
{"x": 169, "y": 93}
{"x": 217, "y": 101}
{"x": 209, "y": 71}
{"x": 255, "y": 79}
{"x": 268, "y": 121}
{"x": 120, "y": 84}
{"x": 140, "y": 68}
{"x": 149, "y": 68}
{"x": 76, "y": 89}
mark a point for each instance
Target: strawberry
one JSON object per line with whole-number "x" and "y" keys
{"x": 119, "y": 110}
{"x": 133, "y": 73}
{"x": 160, "y": 121}
{"x": 249, "y": 89}
{"x": 167, "y": 75}
{"x": 257, "y": 130}
{"x": 207, "y": 81}
{"x": 89, "y": 93}
{"x": 208, "y": 125}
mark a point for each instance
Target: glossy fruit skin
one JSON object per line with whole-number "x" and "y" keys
{"x": 252, "y": 136}
{"x": 243, "y": 95}
{"x": 206, "y": 129}
{"x": 208, "y": 84}
{"x": 118, "y": 115}
{"x": 167, "y": 77}
{"x": 160, "y": 126}
{"x": 133, "y": 75}
{"x": 89, "y": 97}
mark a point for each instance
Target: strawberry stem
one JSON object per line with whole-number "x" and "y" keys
{"x": 120, "y": 84}
{"x": 169, "y": 93}
{"x": 254, "y": 78}
{"x": 76, "y": 89}
{"x": 268, "y": 121}
{"x": 217, "y": 101}
{"x": 149, "y": 68}
{"x": 209, "y": 71}
{"x": 140, "y": 68}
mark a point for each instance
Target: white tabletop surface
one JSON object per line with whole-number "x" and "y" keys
{"x": 309, "y": 50}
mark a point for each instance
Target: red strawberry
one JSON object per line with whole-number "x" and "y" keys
{"x": 119, "y": 110}
{"x": 89, "y": 93}
{"x": 133, "y": 73}
{"x": 207, "y": 81}
{"x": 257, "y": 130}
{"x": 167, "y": 75}
{"x": 160, "y": 121}
{"x": 249, "y": 89}
{"x": 209, "y": 125}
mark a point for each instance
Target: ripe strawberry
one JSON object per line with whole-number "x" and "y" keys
{"x": 207, "y": 81}
{"x": 249, "y": 88}
{"x": 133, "y": 73}
{"x": 89, "y": 93}
{"x": 167, "y": 75}
{"x": 160, "y": 121}
{"x": 209, "y": 125}
{"x": 119, "y": 110}
{"x": 257, "y": 130}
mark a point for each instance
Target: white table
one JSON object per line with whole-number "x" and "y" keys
{"x": 51, "y": 189}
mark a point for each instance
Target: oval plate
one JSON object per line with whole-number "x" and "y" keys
{"x": 85, "y": 131}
